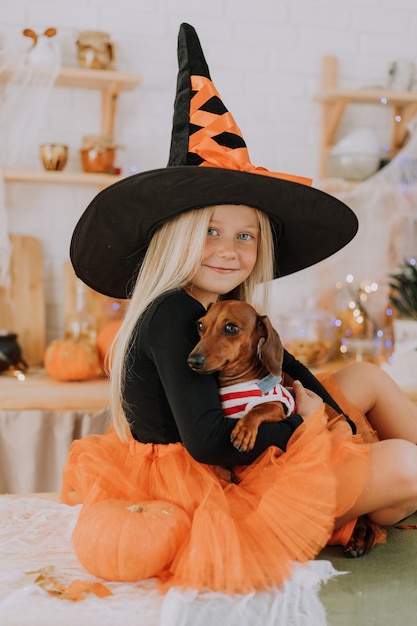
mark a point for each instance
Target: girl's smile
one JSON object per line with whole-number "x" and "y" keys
{"x": 229, "y": 254}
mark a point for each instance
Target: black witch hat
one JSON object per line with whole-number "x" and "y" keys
{"x": 208, "y": 165}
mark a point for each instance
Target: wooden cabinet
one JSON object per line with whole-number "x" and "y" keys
{"x": 334, "y": 101}
{"x": 110, "y": 83}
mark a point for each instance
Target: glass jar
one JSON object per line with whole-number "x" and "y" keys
{"x": 80, "y": 324}
{"x": 370, "y": 349}
{"x": 95, "y": 50}
{"x": 98, "y": 154}
{"x": 308, "y": 336}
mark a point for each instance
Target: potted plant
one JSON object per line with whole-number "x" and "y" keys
{"x": 403, "y": 290}
{"x": 403, "y": 298}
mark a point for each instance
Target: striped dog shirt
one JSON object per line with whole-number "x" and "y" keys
{"x": 240, "y": 398}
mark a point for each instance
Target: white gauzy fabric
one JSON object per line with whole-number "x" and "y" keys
{"x": 45, "y": 436}
{"x": 386, "y": 206}
{"x": 26, "y": 80}
{"x": 36, "y": 533}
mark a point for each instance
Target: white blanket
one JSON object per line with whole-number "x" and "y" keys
{"x": 36, "y": 533}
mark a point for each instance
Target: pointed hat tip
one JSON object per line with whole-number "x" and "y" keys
{"x": 190, "y": 53}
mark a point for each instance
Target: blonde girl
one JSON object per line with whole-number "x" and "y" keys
{"x": 209, "y": 226}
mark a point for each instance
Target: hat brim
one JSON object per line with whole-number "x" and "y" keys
{"x": 111, "y": 238}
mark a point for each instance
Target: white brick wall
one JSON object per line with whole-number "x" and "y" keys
{"x": 265, "y": 59}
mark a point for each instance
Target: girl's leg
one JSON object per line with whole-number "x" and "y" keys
{"x": 390, "y": 493}
{"x": 390, "y": 412}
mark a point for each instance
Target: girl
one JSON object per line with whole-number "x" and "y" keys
{"x": 195, "y": 232}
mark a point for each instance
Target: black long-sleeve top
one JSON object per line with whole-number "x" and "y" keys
{"x": 166, "y": 402}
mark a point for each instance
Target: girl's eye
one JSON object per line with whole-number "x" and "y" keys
{"x": 212, "y": 232}
{"x": 245, "y": 236}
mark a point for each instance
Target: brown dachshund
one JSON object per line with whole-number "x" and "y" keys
{"x": 241, "y": 346}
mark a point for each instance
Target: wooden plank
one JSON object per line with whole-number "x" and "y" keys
{"x": 333, "y": 120}
{"x": 109, "y": 100}
{"x": 22, "y": 310}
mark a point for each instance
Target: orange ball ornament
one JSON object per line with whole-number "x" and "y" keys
{"x": 125, "y": 541}
{"x": 68, "y": 360}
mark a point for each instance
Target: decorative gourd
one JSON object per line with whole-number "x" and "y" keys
{"x": 69, "y": 360}
{"x": 125, "y": 541}
{"x": 105, "y": 337}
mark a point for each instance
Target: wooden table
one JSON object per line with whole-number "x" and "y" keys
{"x": 39, "y": 418}
{"x": 39, "y": 391}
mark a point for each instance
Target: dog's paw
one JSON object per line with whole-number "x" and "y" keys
{"x": 362, "y": 539}
{"x": 224, "y": 474}
{"x": 243, "y": 437}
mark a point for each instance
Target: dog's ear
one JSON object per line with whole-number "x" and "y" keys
{"x": 270, "y": 346}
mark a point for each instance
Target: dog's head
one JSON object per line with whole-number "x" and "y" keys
{"x": 237, "y": 342}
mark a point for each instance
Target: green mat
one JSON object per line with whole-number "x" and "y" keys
{"x": 380, "y": 589}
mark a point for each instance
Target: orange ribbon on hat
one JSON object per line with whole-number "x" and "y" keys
{"x": 201, "y": 142}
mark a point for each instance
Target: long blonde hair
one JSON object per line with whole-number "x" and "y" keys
{"x": 173, "y": 257}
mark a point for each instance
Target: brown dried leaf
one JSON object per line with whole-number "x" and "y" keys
{"x": 75, "y": 591}
{"x": 36, "y": 574}
{"x": 51, "y": 585}
{"x": 100, "y": 590}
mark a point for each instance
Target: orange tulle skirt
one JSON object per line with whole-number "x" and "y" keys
{"x": 245, "y": 535}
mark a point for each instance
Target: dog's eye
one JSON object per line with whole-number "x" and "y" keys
{"x": 200, "y": 327}
{"x": 230, "y": 329}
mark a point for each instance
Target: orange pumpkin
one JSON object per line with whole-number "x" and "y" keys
{"x": 105, "y": 337}
{"x": 125, "y": 541}
{"x": 69, "y": 360}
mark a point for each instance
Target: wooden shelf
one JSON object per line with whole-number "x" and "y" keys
{"x": 335, "y": 100}
{"x": 83, "y": 77}
{"x": 96, "y": 79}
{"x": 110, "y": 83}
{"x": 369, "y": 96}
{"x": 62, "y": 178}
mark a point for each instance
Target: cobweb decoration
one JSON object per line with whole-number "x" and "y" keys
{"x": 26, "y": 79}
{"x": 386, "y": 207}
{"x": 36, "y": 534}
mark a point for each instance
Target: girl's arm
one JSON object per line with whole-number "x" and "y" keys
{"x": 298, "y": 371}
{"x": 193, "y": 398}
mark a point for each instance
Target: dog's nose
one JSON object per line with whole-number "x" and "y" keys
{"x": 196, "y": 361}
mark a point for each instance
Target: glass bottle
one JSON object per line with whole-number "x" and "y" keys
{"x": 81, "y": 325}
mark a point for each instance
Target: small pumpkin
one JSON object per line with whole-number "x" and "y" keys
{"x": 124, "y": 541}
{"x": 105, "y": 337}
{"x": 70, "y": 360}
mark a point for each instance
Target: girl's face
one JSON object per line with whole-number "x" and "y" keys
{"x": 229, "y": 254}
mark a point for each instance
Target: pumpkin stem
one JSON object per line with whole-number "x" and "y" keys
{"x": 136, "y": 508}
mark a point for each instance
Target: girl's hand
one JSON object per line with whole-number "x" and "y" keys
{"x": 307, "y": 401}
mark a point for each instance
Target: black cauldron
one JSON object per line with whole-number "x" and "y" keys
{"x": 11, "y": 353}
